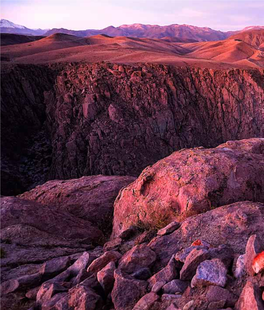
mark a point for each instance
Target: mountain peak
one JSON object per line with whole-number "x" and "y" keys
{"x": 4, "y": 23}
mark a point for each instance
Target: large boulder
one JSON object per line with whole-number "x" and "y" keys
{"x": 229, "y": 225}
{"x": 31, "y": 224}
{"x": 192, "y": 181}
{"x": 90, "y": 198}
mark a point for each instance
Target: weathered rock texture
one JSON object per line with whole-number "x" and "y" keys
{"x": 192, "y": 181}
{"x": 62, "y": 218}
{"x": 83, "y": 119}
{"x": 98, "y": 279}
{"x": 32, "y": 233}
{"x": 231, "y": 225}
{"x": 90, "y": 198}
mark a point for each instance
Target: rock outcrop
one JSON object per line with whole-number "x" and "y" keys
{"x": 100, "y": 279}
{"x": 54, "y": 256}
{"x": 86, "y": 119}
{"x": 52, "y": 225}
{"x": 192, "y": 181}
{"x": 89, "y": 198}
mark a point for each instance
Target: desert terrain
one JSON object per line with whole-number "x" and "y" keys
{"x": 243, "y": 50}
{"x": 132, "y": 168}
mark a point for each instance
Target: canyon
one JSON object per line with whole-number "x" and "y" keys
{"x": 132, "y": 172}
{"x": 87, "y": 119}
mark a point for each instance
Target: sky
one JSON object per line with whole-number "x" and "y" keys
{"x": 97, "y": 14}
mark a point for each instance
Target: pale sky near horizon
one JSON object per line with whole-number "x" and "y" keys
{"x": 87, "y": 14}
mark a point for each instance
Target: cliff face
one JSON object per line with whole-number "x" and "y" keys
{"x": 25, "y": 141}
{"x": 80, "y": 119}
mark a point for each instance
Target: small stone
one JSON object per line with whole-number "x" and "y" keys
{"x": 32, "y": 294}
{"x": 239, "y": 266}
{"x": 252, "y": 248}
{"x": 59, "y": 299}
{"x": 250, "y": 298}
{"x": 174, "y": 287}
{"x": 55, "y": 266}
{"x": 191, "y": 263}
{"x": 113, "y": 244}
{"x": 9, "y": 286}
{"x": 127, "y": 291}
{"x": 146, "y": 302}
{"x": 217, "y": 293}
{"x": 81, "y": 276}
{"x": 172, "y": 307}
{"x": 82, "y": 297}
{"x": 166, "y": 274}
{"x": 128, "y": 233}
{"x": 81, "y": 263}
{"x": 48, "y": 290}
{"x": 189, "y": 305}
{"x": 146, "y": 236}
{"x": 169, "y": 228}
{"x": 142, "y": 274}
{"x": 158, "y": 286}
{"x": 210, "y": 272}
{"x": 182, "y": 255}
{"x": 27, "y": 281}
{"x": 138, "y": 257}
{"x": 106, "y": 277}
{"x": 169, "y": 297}
{"x": 216, "y": 305}
{"x": 102, "y": 261}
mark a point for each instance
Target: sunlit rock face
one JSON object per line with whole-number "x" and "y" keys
{"x": 192, "y": 181}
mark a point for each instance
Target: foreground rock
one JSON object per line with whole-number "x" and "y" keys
{"x": 250, "y": 297}
{"x": 127, "y": 291}
{"x": 192, "y": 181}
{"x": 30, "y": 230}
{"x": 55, "y": 225}
{"x": 140, "y": 277}
{"x": 90, "y": 198}
{"x": 231, "y": 225}
{"x": 210, "y": 272}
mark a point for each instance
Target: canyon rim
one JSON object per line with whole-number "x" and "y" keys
{"x": 132, "y": 155}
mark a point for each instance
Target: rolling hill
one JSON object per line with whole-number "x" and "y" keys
{"x": 240, "y": 50}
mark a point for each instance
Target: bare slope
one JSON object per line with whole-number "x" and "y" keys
{"x": 242, "y": 51}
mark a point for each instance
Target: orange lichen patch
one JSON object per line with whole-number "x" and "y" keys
{"x": 199, "y": 242}
{"x": 196, "y": 242}
{"x": 258, "y": 262}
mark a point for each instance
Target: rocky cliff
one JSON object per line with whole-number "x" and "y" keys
{"x": 85, "y": 119}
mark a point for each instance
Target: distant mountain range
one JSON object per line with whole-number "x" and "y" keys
{"x": 7, "y": 26}
{"x": 182, "y": 33}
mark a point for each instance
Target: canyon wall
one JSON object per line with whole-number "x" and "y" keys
{"x": 65, "y": 121}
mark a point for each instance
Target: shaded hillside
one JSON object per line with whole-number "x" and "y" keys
{"x": 10, "y": 39}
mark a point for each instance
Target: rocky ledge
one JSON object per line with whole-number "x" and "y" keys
{"x": 53, "y": 257}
